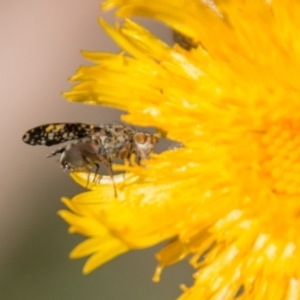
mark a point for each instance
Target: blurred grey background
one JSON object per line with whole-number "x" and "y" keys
{"x": 39, "y": 49}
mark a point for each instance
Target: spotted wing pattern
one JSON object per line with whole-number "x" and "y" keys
{"x": 56, "y": 133}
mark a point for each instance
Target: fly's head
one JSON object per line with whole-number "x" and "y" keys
{"x": 143, "y": 144}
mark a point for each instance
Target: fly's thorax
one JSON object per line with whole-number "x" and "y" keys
{"x": 118, "y": 138}
{"x": 101, "y": 135}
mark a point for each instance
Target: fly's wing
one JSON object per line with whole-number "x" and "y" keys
{"x": 57, "y": 133}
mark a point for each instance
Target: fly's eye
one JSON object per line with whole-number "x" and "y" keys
{"x": 140, "y": 138}
{"x": 154, "y": 139}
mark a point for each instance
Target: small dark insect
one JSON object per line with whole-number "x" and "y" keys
{"x": 184, "y": 41}
{"x": 91, "y": 144}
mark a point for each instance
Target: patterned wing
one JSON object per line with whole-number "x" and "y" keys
{"x": 56, "y": 133}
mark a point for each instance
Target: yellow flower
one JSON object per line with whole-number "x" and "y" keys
{"x": 229, "y": 199}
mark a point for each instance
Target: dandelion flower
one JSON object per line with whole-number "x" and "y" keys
{"x": 229, "y": 199}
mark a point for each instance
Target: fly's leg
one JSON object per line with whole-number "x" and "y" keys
{"x": 96, "y": 171}
{"x": 107, "y": 165}
{"x": 126, "y": 151}
{"x": 90, "y": 159}
{"x": 57, "y": 151}
{"x": 89, "y": 170}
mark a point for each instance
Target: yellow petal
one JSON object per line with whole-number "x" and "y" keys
{"x": 228, "y": 196}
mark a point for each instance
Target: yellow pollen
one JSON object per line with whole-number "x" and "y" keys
{"x": 49, "y": 128}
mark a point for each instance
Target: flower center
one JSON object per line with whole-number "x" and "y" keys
{"x": 281, "y": 157}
